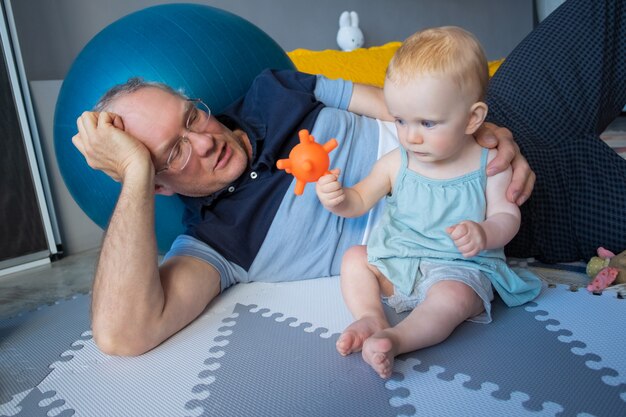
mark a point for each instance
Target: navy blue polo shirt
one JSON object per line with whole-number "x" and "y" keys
{"x": 257, "y": 229}
{"x": 235, "y": 221}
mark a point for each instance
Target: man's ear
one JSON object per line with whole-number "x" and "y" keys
{"x": 478, "y": 112}
{"x": 163, "y": 189}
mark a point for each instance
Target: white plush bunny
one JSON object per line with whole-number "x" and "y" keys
{"x": 349, "y": 36}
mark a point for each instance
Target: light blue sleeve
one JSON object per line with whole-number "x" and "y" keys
{"x": 230, "y": 273}
{"x": 333, "y": 93}
{"x": 305, "y": 240}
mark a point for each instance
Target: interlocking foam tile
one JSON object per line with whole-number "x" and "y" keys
{"x": 271, "y": 368}
{"x": 158, "y": 383}
{"x": 38, "y": 404}
{"x": 593, "y": 325}
{"x": 31, "y": 341}
{"x": 98, "y": 385}
{"x": 434, "y": 396}
{"x": 517, "y": 352}
{"x": 557, "y": 356}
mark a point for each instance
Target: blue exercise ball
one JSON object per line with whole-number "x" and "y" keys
{"x": 204, "y": 51}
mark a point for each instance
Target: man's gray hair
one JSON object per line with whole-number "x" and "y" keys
{"x": 133, "y": 84}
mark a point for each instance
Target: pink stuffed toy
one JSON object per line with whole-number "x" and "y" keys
{"x": 605, "y": 269}
{"x": 603, "y": 279}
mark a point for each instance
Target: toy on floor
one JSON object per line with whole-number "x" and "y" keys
{"x": 308, "y": 160}
{"x": 605, "y": 269}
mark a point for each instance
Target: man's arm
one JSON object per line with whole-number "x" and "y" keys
{"x": 136, "y": 305}
{"x": 368, "y": 100}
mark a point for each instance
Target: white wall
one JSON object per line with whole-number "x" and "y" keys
{"x": 78, "y": 232}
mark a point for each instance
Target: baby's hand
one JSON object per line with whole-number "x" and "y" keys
{"x": 469, "y": 237}
{"x": 329, "y": 190}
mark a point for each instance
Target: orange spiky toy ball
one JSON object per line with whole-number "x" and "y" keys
{"x": 308, "y": 160}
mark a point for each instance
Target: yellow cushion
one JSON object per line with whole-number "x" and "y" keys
{"x": 494, "y": 65}
{"x": 363, "y": 65}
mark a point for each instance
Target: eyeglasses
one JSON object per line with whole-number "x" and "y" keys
{"x": 197, "y": 121}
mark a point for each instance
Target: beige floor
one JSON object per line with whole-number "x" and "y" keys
{"x": 32, "y": 288}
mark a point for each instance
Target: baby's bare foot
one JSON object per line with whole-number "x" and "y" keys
{"x": 351, "y": 340}
{"x": 379, "y": 352}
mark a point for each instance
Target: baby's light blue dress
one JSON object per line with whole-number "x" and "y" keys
{"x": 413, "y": 227}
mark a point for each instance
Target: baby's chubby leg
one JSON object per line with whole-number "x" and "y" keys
{"x": 447, "y": 304}
{"x": 361, "y": 289}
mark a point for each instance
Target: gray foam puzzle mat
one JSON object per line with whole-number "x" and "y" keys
{"x": 268, "y": 350}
